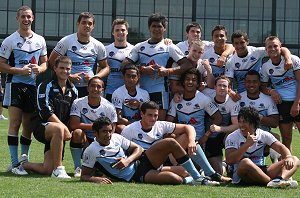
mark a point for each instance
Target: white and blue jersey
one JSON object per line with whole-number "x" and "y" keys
{"x": 135, "y": 133}
{"x": 284, "y": 81}
{"x": 84, "y": 56}
{"x": 263, "y": 104}
{"x": 145, "y": 53}
{"x": 88, "y": 114}
{"x": 255, "y": 152}
{"x": 184, "y": 46}
{"x": 121, "y": 95}
{"x": 115, "y": 57}
{"x": 104, "y": 157}
{"x": 212, "y": 56}
{"x": 237, "y": 67}
{"x": 20, "y": 52}
{"x": 192, "y": 111}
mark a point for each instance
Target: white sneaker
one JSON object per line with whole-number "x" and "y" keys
{"x": 2, "y": 117}
{"x": 205, "y": 182}
{"x": 19, "y": 170}
{"x": 77, "y": 172}
{"x": 23, "y": 159}
{"x": 60, "y": 172}
{"x": 278, "y": 183}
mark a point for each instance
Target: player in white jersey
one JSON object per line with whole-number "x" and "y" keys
{"x": 286, "y": 83}
{"x": 215, "y": 135}
{"x": 23, "y": 55}
{"x": 246, "y": 58}
{"x": 88, "y": 55}
{"x": 83, "y": 113}
{"x": 152, "y": 56}
{"x": 148, "y": 132}
{"x": 118, "y": 157}
{"x": 116, "y": 53}
{"x": 128, "y": 98}
{"x": 245, "y": 149}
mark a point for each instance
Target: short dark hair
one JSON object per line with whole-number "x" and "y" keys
{"x": 157, "y": 17}
{"x": 192, "y": 24}
{"x": 119, "y": 22}
{"x": 62, "y": 59}
{"x": 239, "y": 34}
{"x": 129, "y": 66}
{"x": 23, "y": 8}
{"x": 219, "y": 27}
{"x": 149, "y": 105}
{"x": 223, "y": 77}
{"x": 95, "y": 77}
{"x": 101, "y": 122}
{"x": 191, "y": 71}
{"x": 86, "y": 15}
{"x": 254, "y": 73}
{"x": 250, "y": 115}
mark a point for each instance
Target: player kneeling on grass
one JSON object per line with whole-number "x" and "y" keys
{"x": 50, "y": 122}
{"x": 245, "y": 153}
{"x": 108, "y": 153}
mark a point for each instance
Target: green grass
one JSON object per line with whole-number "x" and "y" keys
{"x": 43, "y": 186}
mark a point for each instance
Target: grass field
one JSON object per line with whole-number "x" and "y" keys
{"x": 42, "y": 186}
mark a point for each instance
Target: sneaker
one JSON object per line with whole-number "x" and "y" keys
{"x": 23, "y": 159}
{"x": 19, "y": 170}
{"x": 219, "y": 178}
{"x": 2, "y": 117}
{"x": 205, "y": 182}
{"x": 77, "y": 172}
{"x": 293, "y": 183}
{"x": 60, "y": 172}
{"x": 278, "y": 183}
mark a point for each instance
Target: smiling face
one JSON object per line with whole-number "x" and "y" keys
{"x": 195, "y": 52}
{"x": 245, "y": 127}
{"x": 219, "y": 38}
{"x": 103, "y": 136}
{"x": 120, "y": 33}
{"x": 240, "y": 46}
{"x": 193, "y": 34}
{"x": 190, "y": 83}
{"x": 25, "y": 19}
{"x": 95, "y": 88}
{"x": 62, "y": 70}
{"x": 252, "y": 84}
{"x": 273, "y": 48}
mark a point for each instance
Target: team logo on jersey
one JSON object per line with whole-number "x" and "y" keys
{"x": 86, "y": 63}
{"x": 152, "y": 46}
{"x": 223, "y": 110}
{"x": 42, "y": 95}
{"x": 60, "y": 46}
{"x": 84, "y": 47}
{"x": 3, "y": 49}
{"x": 186, "y": 53}
{"x": 84, "y": 110}
{"x": 102, "y": 152}
{"x": 142, "y": 48}
{"x": 212, "y": 60}
{"x": 242, "y": 104}
{"x": 136, "y": 116}
{"x": 244, "y": 60}
{"x": 188, "y": 104}
{"x": 271, "y": 71}
{"x": 93, "y": 51}
{"x": 111, "y": 54}
{"x": 19, "y": 45}
{"x": 252, "y": 103}
{"x": 196, "y": 106}
{"x": 102, "y": 114}
{"x": 28, "y": 42}
{"x": 193, "y": 121}
{"x": 74, "y": 48}
{"x": 37, "y": 45}
{"x": 252, "y": 59}
{"x": 261, "y": 105}
{"x": 237, "y": 65}
{"x": 160, "y": 49}
{"x": 85, "y": 158}
{"x": 140, "y": 136}
{"x": 179, "y": 106}
{"x": 277, "y": 68}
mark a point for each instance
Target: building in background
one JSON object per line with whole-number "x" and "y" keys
{"x": 260, "y": 18}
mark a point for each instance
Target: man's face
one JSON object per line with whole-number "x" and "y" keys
{"x": 25, "y": 19}
{"x": 190, "y": 83}
{"x": 219, "y": 38}
{"x": 95, "y": 88}
{"x": 252, "y": 84}
{"x": 120, "y": 33}
{"x": 194, "y": 34}
{"x": 195, "y": 52}
{"x": 273, "y": 48}
{"x": 221, "y": 87}
{"x": 245, "y": 127}
{"x": 157, "y": 30}
{"x": 62, "y": 70}
{"x": 240, "y": 46}
{"x": 103, "y": 136}
{"x": 131, "y": 78}
{"x": 149, "y": 117}
{"x": 85, "y": 26}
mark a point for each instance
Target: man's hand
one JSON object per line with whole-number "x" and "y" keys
{"x": 26, "y": 70}
{"x": 215, "y": 128}
{"x": 177, "y": 97}
{"x": 132, "y": 103}
{"x": 234, "y": 96}
{"x": 191, "y": 148}
{"x": 288, "y": 163}
{"x": 87, "y": 77}
{"x": 76, "y": 78}
{"x": 288, "y": 64}
{"x": 221, "y": 61}
{"x": 251, "y": 139}
{"x": 121, "y": 164}
{"x": 295, "y": 109}
{"x": 102, "y": 180}
{"x": 275, "y": 96}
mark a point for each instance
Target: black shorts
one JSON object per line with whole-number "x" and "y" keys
{"x": 39, "y": 134}
{"x": 160, "y": 98}
{"x": 20, "y": 95}
{"x": 284, "y": 112}
{"x": 214, "y": 146}
{"x": 82, "y": 91}
{"x": 142, "y": 167}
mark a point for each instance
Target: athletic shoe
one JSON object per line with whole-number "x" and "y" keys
{"x": 293, "y": 183}
{"x": 60, "y": 172}
{"x": 205, "y": 182}
{"x": 77, "y": 172}
{"x": 23, "y": 159}
{"x": 19, "y": 170}
{"x": 2, "y": 117}
{"x": 219, "y": 178}
{"x": 278, "y": 183}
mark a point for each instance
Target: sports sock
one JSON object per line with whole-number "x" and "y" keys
{"x": 202, "y": 161}
{"x": 25, "y": 144}
{"x": 187, "y": 163}
{"x": 76, "y": 151}
{"x": 13, "y": 149}
{"x": 188, "y": 180}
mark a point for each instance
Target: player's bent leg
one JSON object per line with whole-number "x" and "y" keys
{"x": 44, "y": 168}
{"x": 178, "y": 170}
{"x": 286, "y": 133}
{"x": 216, "y": 163}
{"x": 162, "y": 177}
{"x": 15, "y": 120}
{"x": 250, "y": 173}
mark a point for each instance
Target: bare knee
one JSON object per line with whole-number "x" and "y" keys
{"x": 244, "y": 166}
{"x": 77, "y": 136}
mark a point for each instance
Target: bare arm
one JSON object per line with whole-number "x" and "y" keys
{"x": 271, "y": 92}
{"x": 229, "y": 49}
{"x": 226, "y": 129}
{"x": 76, "y": 124}
{"x": 53, "y": 56}
{"x": 87, "y": 175}
{"x": 190, "y": 132}
{"x": 121, "y": 120}
{"x": 104, "y": 68}
{"x": 183, "y": 65}
{"x": 6, "y": 68}
{"x": 270, "y": 121}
